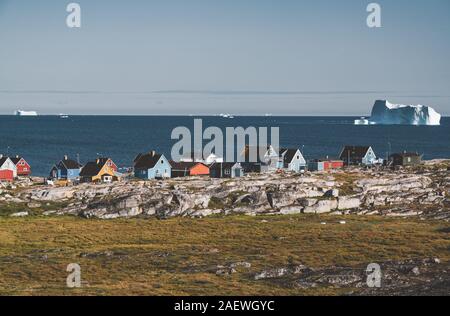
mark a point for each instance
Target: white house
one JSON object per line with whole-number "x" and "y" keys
{"x": 7, "y": 164}
{"x": 291, "y": 159}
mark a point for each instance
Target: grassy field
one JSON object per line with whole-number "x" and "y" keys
{"x": 180, "y": 256}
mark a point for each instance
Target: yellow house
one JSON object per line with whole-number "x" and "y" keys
{"x": 100, "y": 170}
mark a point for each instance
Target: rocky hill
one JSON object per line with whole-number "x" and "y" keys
{"x": 420, "y": 192}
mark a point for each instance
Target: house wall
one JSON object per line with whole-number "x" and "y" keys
{"x": 162, "y": 169}
{"x": 237, "y": 172}
{"x": 23, "y": 168}
{"x": 369, "y": 158}
{"x": 73, "y": 174}
{"x": 6, "y": 175}
{"x": 199, "y": 170}
{"x": 298, "y": 163}
{"x": 316, "y": 166}
{"x": 105, "y": 170}
{"x": 9, "y": 165}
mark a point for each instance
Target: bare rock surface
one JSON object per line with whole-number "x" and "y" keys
{"x": 402, "y": 193}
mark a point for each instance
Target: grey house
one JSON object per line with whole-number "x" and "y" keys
{"x": 405, "y": 159}
{"x": 226, "y": 170}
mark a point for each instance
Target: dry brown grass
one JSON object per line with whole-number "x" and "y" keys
{"x": 179, "y": 256}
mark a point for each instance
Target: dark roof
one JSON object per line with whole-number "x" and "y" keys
{"x": 137, "y": 157}
{"x": 147, "y": 161}
{"x": 2, "y": 160}
{"x": 102, "y": 161}
{"x": 355, "y": 152}
{"x": 222, "y": 165}
{"x": 91, "y": 169}
{"x": 289, "y": 154}
{"x": 182, "y": 165}
{"x": 15, "y": 160}
{"x": 257, "y": 149}
{"x": 71, "y": 164}
{"x": 322, "y": 159}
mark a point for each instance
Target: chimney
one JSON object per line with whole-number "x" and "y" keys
{"x": 98, "y": 161}
{"x": 153, "y": 153}
{"x": 1, "y": 156}
{"x": 17, "y": 156}
{"x": 65, "y": 157}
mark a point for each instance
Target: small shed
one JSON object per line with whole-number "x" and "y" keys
{"x": 226, "y": 170}
{"x": 405, "y": 159}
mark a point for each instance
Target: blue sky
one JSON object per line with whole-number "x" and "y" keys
{"x": 199, "y": 56}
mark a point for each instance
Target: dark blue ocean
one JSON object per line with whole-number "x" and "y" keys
{"x": 44, "y": 140}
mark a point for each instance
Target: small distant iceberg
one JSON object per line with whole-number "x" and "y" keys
{"x": 363, "y": 121}
{"x": 386, "y": 113}
{"x": 25, "y": 113}
{"x": 63, "y": 116}
{"x": 226, "y": 115}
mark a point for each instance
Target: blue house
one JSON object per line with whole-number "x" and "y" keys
{"x": 66, "y": 169}
{"x": 152, "y": 166}
{"x": 291, "y": 159}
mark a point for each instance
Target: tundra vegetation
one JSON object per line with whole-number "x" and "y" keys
{"x": 260, "y": 235}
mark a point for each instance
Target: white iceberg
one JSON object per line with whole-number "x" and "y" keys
{"x": 25, "y": 113}
{"x": 384, "y": 112}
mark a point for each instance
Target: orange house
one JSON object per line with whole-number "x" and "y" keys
{"x": 186, "y": 169}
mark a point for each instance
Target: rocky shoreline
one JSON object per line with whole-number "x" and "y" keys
{"x": 422, "y": 192}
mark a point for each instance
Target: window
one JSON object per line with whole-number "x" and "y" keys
{"x": 162, "y": 161}
{"x": 227, "y": 172}
{"x": 409, "y": 159}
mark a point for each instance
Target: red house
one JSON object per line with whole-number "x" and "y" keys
{"x": 186, "y": 169}
{"x": 333, "y": 164}
{"x": 108, "y": 161}
{"x": 23, "y": 168}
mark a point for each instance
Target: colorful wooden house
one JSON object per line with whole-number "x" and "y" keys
{"x": 23, "y": 168}
{"x": 291, "y": 159}
{"x": 152, "y": 166}
{"x": 66, "y": 169}
{"x": 226, "y": 170}
{"x": 8, "y": 170}
{"x": 358, "y": 155}
{"x": 101, "y": 170}
{"x": 186, "y": 169}
{"x": 324, "y": 164}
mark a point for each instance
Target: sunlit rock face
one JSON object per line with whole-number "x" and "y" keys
{"x": 384, "y": 112}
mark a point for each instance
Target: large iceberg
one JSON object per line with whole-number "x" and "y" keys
{"x": 384, "y": 112}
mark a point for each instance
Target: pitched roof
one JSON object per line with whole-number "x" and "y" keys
{"x": 182, "y": 165}
{"x": 354, "y": 152}
{"x": 254, "y": 149}
{"x": 15, "y": 160}
{"x": 223, "y": 165}
{"x": 2, "y": 160}
{"x": 102, "y": 161}
{"x": 289, "y": 153}
{"x": 147, "y": 161}
{"x": 71, "y": 164}
{"x": 91, "y": 169}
